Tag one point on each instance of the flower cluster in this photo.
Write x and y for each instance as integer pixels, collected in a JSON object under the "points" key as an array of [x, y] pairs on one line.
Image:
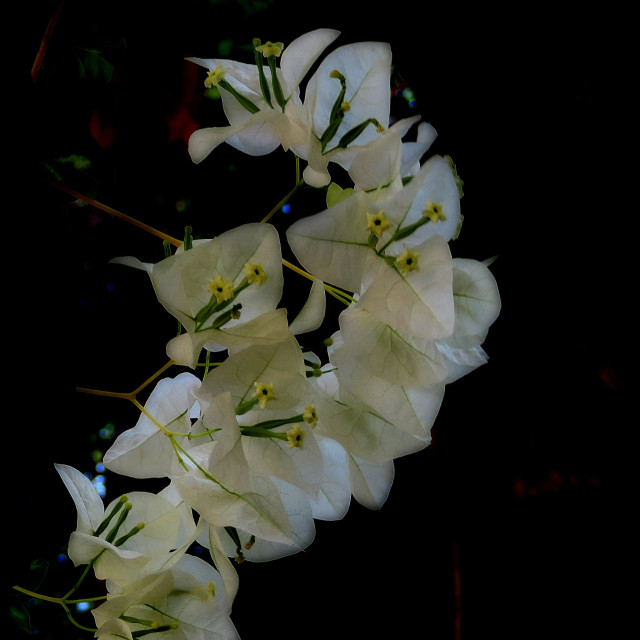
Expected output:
{"points": [[274, 434]]}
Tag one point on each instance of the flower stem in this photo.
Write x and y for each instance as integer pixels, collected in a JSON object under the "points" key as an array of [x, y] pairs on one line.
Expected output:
{"points": [[282, 202], [117, 214]]}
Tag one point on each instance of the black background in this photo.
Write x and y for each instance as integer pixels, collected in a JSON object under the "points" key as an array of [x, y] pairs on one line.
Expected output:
{"points": [[517, 504]]}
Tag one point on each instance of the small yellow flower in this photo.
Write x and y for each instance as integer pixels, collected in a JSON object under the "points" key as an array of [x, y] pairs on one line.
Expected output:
{"points": [[221, 288], [263, 392], [213, 77], [295, 436], [310, 416], [407, 261], [271, 49], [255, 273], [377, 223], [434, 212], [345, 106]]}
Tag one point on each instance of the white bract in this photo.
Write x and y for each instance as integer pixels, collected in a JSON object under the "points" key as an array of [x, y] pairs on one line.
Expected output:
{"points": [[136, 534], [216, 480], [224, 291], [258, 124], [346, 102], [185, 602], [271, 436], [145, 451]]}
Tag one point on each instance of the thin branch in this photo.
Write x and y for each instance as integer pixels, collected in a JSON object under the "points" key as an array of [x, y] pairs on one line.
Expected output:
{"points": [[118, 214], [37, 63]]}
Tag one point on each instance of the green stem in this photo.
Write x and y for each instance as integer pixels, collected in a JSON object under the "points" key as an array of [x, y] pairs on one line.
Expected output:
{"points": [[284, 200], [81, 579], [73, 621], [262, 433]]}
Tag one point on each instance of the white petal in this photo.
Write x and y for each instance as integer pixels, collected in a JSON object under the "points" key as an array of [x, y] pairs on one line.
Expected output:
{"points": [[299, 56], [144, 451], [367, 68], [85, 496], [332, 245], [418, 304], [334, 496], [371, 482], [402, 360], [476, 296], [312, 313]]}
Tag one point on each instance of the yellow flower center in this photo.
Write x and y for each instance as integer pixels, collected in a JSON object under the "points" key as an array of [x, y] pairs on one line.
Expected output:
{"points": [[310, 416], [221, 288], [434, 211], [407, 261], [255, 273], [213, 77], [271, 49], [377, 223], [263, 392], [295, 436]]}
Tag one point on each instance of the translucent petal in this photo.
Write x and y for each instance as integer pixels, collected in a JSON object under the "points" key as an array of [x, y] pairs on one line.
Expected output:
{"points": [[333, 245], [85, 496], [367, 68], [434, 182], [312, 313], [334, 495], [299, 56], [371, 481], [145, 451], [476, 296], [281, 365], [418, 304], [269, 328], [296, 504], [228, 572], [259, 512], [412, 409], [384, 352], [360, 431]]}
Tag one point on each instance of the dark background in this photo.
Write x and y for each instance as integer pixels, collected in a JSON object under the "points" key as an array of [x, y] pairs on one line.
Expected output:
{"points": [[516, 507]]}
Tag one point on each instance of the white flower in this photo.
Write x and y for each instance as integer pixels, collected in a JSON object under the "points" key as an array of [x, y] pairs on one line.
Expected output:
{"points": [[207, 290], [334, 245], [137, 534], [270, 392], [216, 480], [145, 451], [240, 544], [259, 130], [385, 161], [346, 102], [186, 601]]}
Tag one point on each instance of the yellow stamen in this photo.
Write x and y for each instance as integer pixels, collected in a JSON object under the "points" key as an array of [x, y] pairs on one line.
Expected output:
{"points": [[295, 436], [407, 261], [255, 273], [310, 416], [434, 211], [213, 77], [377, 223], [264, 393], [271, 49], [221, 288]]}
